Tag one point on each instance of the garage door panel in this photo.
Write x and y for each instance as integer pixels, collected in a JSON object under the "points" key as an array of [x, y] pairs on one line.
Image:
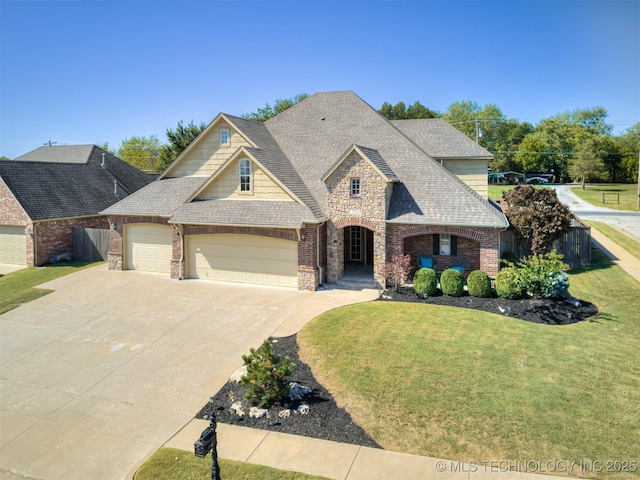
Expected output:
{"points": [[148, 247], [243, 258], [13, 245]]}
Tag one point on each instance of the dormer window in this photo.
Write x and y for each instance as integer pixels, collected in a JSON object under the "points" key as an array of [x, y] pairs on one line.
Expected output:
{"points": [[224, 136], [245, 176], [355, 187]]}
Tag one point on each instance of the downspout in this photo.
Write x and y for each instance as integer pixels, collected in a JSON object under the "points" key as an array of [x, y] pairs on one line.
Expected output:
{"points": [[179, 232], [320, 271]]}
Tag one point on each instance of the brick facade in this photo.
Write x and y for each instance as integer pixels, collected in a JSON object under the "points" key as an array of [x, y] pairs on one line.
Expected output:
{"points": [[43, 238], [480, 246]]}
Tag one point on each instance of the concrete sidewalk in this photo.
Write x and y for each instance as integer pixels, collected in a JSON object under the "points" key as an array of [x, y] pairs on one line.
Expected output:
{"points": [[619, 255], [342, 461]]}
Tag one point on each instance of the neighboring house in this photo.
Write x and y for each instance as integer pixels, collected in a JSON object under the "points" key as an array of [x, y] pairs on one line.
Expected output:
{"points": [[327, 184], [45, 193]]}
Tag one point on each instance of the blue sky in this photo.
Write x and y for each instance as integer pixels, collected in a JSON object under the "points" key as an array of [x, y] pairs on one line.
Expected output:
{"points": [[90, 71]]}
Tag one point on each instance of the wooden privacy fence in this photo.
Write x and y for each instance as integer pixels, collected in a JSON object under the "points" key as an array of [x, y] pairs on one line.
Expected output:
{"points": [[575, 245], [91, 244]]}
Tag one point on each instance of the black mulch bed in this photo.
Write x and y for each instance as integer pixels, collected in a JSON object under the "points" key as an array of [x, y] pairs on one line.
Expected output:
{"points": [[549, 311], [325, 420]]}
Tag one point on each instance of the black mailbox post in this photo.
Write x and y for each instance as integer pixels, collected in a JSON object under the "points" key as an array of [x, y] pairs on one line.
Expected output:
{"points": [[207, 443]]}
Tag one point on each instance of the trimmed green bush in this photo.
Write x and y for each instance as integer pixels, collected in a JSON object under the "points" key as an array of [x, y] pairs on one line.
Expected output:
{"points": [[479, 284], [509, 283], [452, 283], [544, 275], [266, 378], [425, 282]]}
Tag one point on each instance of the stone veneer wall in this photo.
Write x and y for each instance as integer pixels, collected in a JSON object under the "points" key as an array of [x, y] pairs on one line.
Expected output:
{"points": [[484, 241], [369, 209]]}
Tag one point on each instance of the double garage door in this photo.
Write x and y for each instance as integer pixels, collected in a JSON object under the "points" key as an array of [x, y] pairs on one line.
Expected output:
{"points": [[243, 258], [230, 258], [13, 245]]}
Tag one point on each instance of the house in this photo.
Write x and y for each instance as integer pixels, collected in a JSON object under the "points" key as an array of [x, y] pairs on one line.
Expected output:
{"points": [[45, 193], [297, 201]]}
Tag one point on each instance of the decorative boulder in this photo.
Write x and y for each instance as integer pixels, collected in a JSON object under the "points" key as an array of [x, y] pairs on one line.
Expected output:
{"points": [[297, 391]]}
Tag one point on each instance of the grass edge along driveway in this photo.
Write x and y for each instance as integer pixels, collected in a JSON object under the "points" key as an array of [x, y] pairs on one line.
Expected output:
{"points": [[465, 385], [17, 287]]}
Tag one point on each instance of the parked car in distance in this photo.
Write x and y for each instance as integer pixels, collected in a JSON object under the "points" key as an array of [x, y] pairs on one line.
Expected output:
{"points": [[536, 180]]}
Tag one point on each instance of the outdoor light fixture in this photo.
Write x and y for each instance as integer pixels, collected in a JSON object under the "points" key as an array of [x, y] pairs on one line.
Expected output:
{"points": [[208, 443]]}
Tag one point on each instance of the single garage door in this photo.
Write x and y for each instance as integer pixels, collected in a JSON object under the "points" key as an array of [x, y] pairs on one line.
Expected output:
{"points": [[243, 258], [13, 245], [148, 247]]}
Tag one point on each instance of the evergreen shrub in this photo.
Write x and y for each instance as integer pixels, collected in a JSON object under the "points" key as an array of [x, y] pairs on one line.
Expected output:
{"points": [[452, 283], [266, 378], [425, 282], [479, 284]]}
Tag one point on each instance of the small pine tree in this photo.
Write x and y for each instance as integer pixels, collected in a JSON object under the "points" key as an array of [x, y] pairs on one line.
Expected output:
{"points": [[266, 378]]}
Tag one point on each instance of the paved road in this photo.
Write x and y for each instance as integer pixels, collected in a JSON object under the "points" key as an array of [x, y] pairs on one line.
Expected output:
{"points": [[628, 222], [97, 375]]}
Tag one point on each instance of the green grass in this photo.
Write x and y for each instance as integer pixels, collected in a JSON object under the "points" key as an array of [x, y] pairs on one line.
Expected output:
{"points": [[17, 287], [592, 194], [626, 242], [466, 385], [171, 464]]}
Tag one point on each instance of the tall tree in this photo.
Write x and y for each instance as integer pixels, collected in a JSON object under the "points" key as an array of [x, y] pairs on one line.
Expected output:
{"points": [[400, 112], [141, 152], [179, 139], [628, 144], [263, 114], [586, 163], [486, 125]]}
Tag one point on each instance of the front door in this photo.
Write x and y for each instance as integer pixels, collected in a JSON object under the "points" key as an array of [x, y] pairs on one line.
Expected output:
{"points": [[358, 246]]}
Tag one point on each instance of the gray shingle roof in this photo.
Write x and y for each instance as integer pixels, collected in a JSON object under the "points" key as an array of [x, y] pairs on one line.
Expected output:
{"points": [[256, 213], [160, 198], [58, 154], [65, 189], [315, 132], [441, 140]]}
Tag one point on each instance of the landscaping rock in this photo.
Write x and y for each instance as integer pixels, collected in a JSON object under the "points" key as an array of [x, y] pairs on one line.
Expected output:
{"points": [[255, 412], [238, 374], [297, 391]]}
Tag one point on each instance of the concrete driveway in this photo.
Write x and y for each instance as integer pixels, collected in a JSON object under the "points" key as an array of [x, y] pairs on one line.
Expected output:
{"points": [[99, 374]]}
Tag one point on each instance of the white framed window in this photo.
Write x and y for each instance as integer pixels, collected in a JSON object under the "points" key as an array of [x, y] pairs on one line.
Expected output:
{"points": [[355, 187], [445, 244], [245, 175], [224, 136]]}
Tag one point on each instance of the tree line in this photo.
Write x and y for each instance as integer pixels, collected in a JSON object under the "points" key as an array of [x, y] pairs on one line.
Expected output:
{"points": [[576, 145]]}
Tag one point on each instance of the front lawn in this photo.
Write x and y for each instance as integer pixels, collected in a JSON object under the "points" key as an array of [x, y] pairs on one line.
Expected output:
{"points": [[468, 385], [171, 464], [593, 194], [16, 288]]}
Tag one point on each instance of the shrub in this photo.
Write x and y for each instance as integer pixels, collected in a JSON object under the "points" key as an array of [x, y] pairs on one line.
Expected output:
{"points": [[509, 283], [397, 270], [452, 283], [266, 378], [425, 282], [544, 275], [479, 284], [508, 259]]}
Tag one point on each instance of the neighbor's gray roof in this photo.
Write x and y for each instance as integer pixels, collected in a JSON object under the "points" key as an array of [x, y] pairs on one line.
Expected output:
{"points": [[58, 154], [441, 140], [265, 213], [314, 133], [160, 198], [66, 189]]}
